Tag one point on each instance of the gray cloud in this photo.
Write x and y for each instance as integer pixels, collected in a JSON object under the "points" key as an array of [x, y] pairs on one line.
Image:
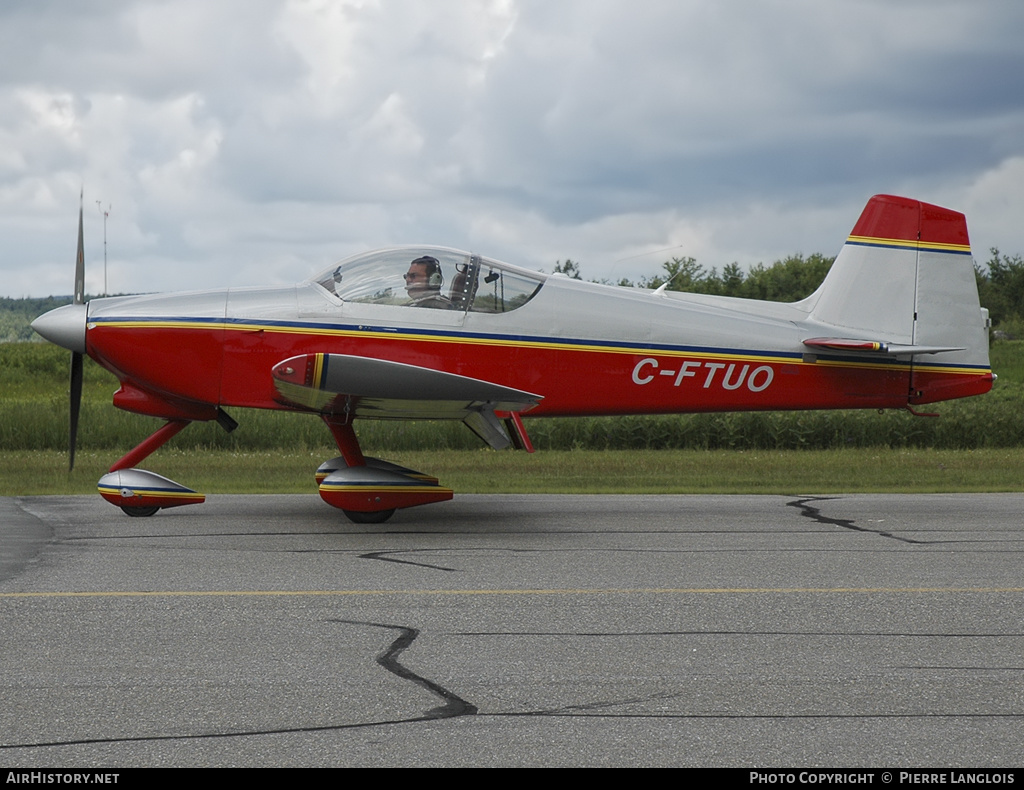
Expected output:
{"points": [[242, 142]]}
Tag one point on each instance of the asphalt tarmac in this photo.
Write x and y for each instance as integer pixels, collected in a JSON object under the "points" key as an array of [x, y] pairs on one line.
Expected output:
{"points": [[872, 631]]}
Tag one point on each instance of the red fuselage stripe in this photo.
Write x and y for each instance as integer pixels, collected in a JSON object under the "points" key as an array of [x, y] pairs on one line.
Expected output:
{"points": [[229, 366]]}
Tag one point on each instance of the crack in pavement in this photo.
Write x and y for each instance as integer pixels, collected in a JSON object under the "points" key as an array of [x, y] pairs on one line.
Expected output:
{"points": [[380, 555], [813, 513], [453, 705]]}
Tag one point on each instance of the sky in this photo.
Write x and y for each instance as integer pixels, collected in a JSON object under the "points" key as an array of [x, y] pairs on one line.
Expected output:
{"points": [[252, 142]]}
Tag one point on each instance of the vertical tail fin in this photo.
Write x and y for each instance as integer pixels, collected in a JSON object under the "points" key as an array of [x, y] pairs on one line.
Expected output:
{"points": [[905, 277]]}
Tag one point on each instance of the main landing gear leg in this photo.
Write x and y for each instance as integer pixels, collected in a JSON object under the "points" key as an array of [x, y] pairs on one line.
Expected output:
{"points": [[148, 446], [141, 493], [369, 490], [345, 437]]}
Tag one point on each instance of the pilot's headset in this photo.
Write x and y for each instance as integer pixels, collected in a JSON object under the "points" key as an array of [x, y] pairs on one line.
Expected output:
{"points": [[434, 277]]}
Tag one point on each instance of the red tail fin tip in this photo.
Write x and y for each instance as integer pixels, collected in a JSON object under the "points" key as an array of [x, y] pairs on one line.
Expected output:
{"points": [[891, 218]]}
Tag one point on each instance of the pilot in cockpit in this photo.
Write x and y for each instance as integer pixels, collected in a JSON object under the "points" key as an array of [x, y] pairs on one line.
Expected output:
{"points": [[423, 283]]}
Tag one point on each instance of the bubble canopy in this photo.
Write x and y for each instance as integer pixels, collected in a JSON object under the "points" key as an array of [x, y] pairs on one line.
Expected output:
{"points": [[434, 277]]}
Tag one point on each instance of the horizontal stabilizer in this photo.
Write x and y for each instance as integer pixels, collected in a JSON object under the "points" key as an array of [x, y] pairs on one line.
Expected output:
{"points": [[850, 345]]}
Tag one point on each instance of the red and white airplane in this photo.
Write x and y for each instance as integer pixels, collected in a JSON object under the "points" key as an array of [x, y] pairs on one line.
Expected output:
{"points": [[434, 333]]}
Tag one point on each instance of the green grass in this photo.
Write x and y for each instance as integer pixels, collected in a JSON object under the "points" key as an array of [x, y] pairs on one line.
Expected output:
{"points": [[33, 415], [977, 445], [572, 471]]}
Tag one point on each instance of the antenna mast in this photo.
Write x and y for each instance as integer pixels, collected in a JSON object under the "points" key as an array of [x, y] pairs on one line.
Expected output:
{"points": [[105, 214]]}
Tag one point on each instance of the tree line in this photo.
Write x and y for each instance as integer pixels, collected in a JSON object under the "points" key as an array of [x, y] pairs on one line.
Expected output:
{"points": [[17, 314], [1000, 282], [1000, 287]]}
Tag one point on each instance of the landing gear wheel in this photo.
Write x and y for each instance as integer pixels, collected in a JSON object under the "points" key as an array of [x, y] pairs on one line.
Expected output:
{"points": [[139, 512], [376, 517]]}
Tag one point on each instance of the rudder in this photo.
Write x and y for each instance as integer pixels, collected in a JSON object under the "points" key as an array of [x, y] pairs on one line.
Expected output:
{"points": [[905, 278]]}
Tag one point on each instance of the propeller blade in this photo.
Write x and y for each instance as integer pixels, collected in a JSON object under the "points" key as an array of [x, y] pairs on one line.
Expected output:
{"points": [[80, 259], [76, 358], [76, 405]]}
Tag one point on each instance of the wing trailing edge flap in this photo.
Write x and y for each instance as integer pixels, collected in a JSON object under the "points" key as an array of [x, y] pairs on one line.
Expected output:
{"points": [[381, 389], [877, 347]]}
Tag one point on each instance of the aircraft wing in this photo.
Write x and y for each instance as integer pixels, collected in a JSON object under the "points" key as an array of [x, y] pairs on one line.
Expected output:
{"points": [[377, 388]]}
